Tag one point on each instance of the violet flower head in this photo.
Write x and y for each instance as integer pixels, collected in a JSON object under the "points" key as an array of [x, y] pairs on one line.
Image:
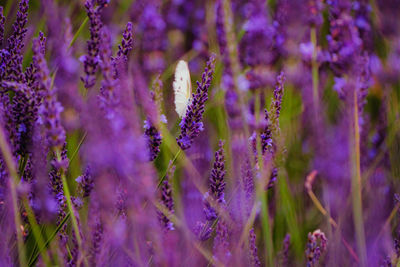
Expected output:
{"points": [[127, 42], [108, 84], [272, 178], [266, 136], [203, 231], [2, 22], [257, 42], [154, 139], [221, 242], [50, 110], [278, 94], [344, 41], [91, 60], [253, 251], [191, 124], [166, 199], [315, 8], [85, 182], [15, 43], [217, 184], [96, 242], [285, 250], [248, 185], [22, 116], [316, 245], [152, 28], [57, 187]]}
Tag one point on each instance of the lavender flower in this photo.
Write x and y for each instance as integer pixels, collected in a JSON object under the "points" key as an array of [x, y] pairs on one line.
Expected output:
{"points": [[247, 182], [50, 110], [107, 90], [221, 242], [343, 41], [91, 60], [152, 29], [121, 60], [22, 116], [2, 21], [277, 101], [266, 136], [15, 44], [85, 182], [316, 245], [97, 239], [166, 199], [253, 251], [285, 250], [191, 124], [203, 231], [127, 42], [217, 184], [315, 8], [272, 178], [154, 139], [257, 43]]}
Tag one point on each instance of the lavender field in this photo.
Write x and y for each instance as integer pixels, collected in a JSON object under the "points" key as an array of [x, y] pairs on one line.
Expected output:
{"points": [[200, 133]]}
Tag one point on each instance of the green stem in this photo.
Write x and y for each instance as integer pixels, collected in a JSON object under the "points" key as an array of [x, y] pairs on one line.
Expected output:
{"points": [[51, 238], [356, 187], [70, 207], [8, 158], [36, 231], [78, 147], [168, 168], [314, 66], [78, 32]]}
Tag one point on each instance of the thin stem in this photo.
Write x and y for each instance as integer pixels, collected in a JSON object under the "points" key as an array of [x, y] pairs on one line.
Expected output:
{"points": [[51, 238], [78, 147], [8, 158], [168, 168], [356, 186], [36, 232], [70, 207], [314, 66], [78, 32], [321, 208]]}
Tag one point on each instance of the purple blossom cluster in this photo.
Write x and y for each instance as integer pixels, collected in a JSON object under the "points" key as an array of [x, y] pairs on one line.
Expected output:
{"points": [[191, 124], [292, 125]]}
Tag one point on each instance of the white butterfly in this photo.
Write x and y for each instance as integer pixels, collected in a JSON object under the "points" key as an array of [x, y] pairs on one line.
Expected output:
{"points": [[182, 88]]}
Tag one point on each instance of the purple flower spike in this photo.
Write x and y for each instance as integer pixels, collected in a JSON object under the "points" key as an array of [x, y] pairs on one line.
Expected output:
{"points": [[166, 199], [154, 139], [51, 109], [278, 93], [127, 42], [253, 256], [15, 45], [217, 184], [221, 242], [315, 8], [266, 136], [91, 60], [2, 21], [109, 83], [97, 239], [316, 245], [202, 231], [191, 124], [85, 182], [285, 250]]}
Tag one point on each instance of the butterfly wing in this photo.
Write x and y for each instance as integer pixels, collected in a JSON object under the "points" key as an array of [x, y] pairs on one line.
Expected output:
{"points": [[182, 87]]}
